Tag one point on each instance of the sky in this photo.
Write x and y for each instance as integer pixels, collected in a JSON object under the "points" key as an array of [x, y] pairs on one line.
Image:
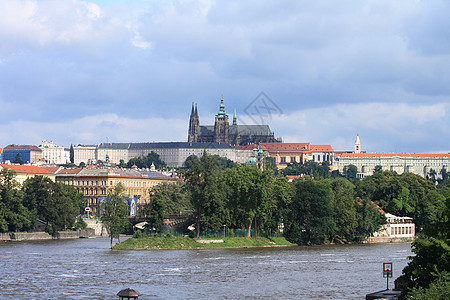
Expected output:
{"points": [[87, 72]]}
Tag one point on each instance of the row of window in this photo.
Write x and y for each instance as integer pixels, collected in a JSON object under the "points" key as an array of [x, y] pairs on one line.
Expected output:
{"points": [[402, 230]]}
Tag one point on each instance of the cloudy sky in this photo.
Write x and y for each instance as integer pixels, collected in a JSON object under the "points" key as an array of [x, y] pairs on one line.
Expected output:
{"points": [[82, 72]]}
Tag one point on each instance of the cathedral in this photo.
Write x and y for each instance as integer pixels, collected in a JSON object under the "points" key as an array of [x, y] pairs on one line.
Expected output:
{"points": [[223, 132]]}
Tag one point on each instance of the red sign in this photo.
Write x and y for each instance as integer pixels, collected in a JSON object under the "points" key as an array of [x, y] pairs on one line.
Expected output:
{"points": [[387, 267]]}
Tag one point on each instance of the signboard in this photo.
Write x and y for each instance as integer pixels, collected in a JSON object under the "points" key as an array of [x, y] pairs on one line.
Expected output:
{"points": [[387, 270]]}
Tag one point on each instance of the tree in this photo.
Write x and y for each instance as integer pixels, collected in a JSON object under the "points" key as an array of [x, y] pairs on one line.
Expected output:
{"points": [[206, 188], [249, 191], [71, 154], [369, 219], [122, 164], [190, 160], [157, 208], [310, 217], [18, 159], [13, 214], [431, 262], [175, 196], [378, 169], [343, 195], [114, 212], [350, 172], [56, 204]]}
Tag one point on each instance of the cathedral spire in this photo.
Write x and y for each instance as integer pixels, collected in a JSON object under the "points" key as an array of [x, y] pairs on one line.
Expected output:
{"points": [[196, 112], [234, 117]]}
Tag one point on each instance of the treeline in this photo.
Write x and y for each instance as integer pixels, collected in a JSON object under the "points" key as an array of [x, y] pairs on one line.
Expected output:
{"points": [[56, 204], [314, 210]]}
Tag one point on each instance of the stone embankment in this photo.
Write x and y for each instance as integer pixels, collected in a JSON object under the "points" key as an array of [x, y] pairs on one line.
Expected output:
{"points": [[373, 240], [97, 225], [25, 236]]}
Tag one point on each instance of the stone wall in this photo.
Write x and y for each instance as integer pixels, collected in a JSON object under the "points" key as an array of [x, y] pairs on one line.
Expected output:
{"points": [[30, 236]]}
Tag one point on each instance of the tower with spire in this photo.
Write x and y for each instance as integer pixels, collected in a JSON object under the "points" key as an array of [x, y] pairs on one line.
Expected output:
{"points": [[194, 125], [357, 145], [224, 132], [221, 125]]}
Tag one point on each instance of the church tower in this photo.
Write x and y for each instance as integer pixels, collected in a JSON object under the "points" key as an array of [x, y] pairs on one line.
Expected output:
{"points": [[194, 125], [357, 145], [221, 125]]}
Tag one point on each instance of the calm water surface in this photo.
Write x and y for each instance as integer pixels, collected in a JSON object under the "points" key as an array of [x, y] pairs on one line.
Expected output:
{"points": [[88, 269]]}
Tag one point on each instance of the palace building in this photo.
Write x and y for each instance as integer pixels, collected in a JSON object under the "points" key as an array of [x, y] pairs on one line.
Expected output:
{"points": [[223, 132]]}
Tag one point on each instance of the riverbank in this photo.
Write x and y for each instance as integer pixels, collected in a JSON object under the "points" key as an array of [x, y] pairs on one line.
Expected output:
{"points": [[26, 236], [183, 243]]}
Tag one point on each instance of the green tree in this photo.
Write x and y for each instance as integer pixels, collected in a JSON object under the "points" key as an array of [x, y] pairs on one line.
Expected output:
{"points": [[122, 164], [13, 214], [350, 172], [18, 159], [369, 218], [71, 154], [378, 169], [343, 195], [310, 217], [56, 204], [157, 208], [114, 213], [249, 194], [432, 256], [207, 191], [190, 160], [175, 196]]}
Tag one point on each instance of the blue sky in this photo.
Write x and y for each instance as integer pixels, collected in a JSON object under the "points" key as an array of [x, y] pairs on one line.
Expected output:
{"points": [[83, 71]]}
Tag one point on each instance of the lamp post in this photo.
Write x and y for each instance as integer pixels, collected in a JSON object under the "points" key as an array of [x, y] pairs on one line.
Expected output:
{"points": [[224, 230]]}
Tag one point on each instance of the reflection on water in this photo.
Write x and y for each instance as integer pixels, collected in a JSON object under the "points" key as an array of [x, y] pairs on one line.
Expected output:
{"points": [[87, 268]]}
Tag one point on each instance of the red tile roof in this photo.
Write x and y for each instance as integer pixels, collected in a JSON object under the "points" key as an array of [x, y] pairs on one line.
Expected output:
{"points": [[69, 171], [285, 147], [321, 148], [23, 147], [379, 155], [54, 170], [27, 169]]}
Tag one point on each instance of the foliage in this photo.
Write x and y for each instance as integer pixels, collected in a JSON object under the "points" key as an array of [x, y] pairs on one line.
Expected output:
{"points": [[310, 168], [71, 154], [114, 212], [350, 172], [343, 195], [157, 208], [175, 196], [369, 219], [404, 195], [437, 290], [309, 220], [378, 169], [206, 187], [432, 255], [249, 195], [14, 216], [18, 159], [147, 161], [224, 162], [56, 204]]}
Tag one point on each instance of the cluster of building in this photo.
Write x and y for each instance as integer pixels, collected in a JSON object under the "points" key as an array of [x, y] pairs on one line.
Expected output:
{"points": [[239, 143]]}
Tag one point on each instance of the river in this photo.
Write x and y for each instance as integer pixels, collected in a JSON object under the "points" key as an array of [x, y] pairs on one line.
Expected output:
{"points": [[88, 269]]}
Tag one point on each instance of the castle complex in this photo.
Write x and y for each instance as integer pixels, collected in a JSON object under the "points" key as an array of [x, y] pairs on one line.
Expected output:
{"points": [[222, 132]]}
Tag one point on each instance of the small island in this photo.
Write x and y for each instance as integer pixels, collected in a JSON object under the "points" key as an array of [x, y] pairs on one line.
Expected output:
{"points": [[181, 243]]}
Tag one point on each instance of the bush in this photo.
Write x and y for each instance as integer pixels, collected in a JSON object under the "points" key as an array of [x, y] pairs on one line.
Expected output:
{"points": [[191, 234]]}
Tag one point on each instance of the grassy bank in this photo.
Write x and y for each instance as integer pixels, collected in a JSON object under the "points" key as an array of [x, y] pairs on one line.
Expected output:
{"points": [[160, 243]]}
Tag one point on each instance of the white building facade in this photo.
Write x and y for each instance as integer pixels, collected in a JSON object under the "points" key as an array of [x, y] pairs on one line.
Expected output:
{"points": [[420, 164], [53, 154]]}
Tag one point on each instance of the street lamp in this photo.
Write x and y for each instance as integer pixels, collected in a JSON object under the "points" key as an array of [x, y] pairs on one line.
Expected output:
{"points": [[224, 230]]}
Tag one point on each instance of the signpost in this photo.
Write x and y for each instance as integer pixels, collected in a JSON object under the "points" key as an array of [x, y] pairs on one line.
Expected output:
{"points": [[387, 272]]}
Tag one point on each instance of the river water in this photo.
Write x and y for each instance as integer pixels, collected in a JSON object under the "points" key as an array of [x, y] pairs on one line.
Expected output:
{"points": [[88, 269]]}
